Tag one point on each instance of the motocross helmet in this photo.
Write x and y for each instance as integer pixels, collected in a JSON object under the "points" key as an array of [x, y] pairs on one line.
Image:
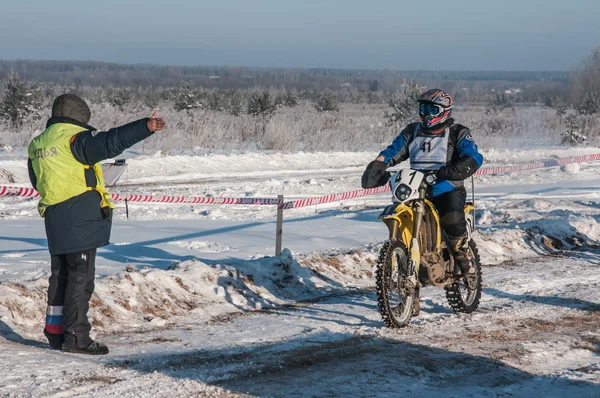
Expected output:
{"points": [[435, 107]]}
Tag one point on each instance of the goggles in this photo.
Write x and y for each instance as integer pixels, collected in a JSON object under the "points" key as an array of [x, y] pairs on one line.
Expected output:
{"points": [[426, 108]]}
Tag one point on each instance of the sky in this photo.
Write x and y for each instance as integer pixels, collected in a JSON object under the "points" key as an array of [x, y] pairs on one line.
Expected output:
{"points": [[367, 34]]}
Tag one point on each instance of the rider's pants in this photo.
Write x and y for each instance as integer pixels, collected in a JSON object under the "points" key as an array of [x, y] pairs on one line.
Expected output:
{"points": [[451, 208]]}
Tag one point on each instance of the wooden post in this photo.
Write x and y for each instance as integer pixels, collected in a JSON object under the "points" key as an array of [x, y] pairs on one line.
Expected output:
{"points": [[279, 230]]}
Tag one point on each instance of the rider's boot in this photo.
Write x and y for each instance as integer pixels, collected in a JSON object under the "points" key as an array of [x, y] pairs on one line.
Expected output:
{"points": [[460, 245], [416, 303]]}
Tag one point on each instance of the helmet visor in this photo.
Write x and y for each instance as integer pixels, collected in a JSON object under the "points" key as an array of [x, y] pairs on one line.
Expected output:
{"points": [[430, 109]]}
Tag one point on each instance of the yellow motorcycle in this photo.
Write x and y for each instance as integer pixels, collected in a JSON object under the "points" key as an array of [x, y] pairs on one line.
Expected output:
{"points": [[417, 255]]}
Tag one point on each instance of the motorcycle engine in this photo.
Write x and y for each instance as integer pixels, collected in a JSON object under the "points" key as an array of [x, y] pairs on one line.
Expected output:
{"points": [[436, 268]]}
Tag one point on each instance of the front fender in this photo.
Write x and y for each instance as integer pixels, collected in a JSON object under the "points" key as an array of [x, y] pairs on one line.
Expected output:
{"points": [[399, 218]]}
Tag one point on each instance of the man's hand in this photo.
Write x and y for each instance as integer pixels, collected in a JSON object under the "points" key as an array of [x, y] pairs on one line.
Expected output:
{"points": [[375, 175], [431, 177], [380, 158], [155, 123]]}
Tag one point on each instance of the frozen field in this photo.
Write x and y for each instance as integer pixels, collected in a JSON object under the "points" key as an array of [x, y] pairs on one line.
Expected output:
{"points": [[191, 301]]}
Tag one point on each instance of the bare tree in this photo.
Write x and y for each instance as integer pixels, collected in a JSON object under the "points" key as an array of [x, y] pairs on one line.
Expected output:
{"points": [[585, 85], [151, 98]]}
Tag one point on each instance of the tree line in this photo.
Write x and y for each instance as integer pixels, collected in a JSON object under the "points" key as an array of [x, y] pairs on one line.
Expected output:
{"points": [[102, 74], [30, 86]]}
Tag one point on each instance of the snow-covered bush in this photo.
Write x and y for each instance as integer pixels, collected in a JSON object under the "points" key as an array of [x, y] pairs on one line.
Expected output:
{"points": [[236, 103], [261, 104], [590, 103], [291, 98], [404, 105], [121, 97], [21, 101], [573, 138], [327, 102], [188, 98]]}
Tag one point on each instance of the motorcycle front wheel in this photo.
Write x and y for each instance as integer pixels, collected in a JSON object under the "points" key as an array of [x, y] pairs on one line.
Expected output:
{"points": [[395, 293]]}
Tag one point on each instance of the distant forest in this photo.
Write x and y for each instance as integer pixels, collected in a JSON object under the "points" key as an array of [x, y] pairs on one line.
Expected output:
{"points": [[223, 107], [102, 74]]}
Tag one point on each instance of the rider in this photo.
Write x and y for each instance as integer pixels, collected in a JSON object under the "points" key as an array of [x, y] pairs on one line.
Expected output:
{"points": [[445, 149]]}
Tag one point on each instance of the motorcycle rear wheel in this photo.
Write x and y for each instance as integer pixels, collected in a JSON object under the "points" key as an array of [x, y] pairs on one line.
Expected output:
{"points": [[464, 295]]}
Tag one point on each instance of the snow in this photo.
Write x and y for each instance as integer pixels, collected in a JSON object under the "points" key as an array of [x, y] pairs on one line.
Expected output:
{"points": [[572, 168], [191, 300]]}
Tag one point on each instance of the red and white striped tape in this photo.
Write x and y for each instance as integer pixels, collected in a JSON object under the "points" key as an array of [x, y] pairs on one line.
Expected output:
{"points": [[334, 198], [31, 193], [14, 191], [195, 200], [538, 165]]}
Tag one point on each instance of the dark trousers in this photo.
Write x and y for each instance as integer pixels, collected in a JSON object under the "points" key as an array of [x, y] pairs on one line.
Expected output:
{"points": [[71, 287], [451, 208]]}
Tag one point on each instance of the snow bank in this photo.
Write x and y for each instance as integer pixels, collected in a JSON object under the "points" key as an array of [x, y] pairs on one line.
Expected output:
{"points": [[149, 298], [532, 228], [145, 299]]}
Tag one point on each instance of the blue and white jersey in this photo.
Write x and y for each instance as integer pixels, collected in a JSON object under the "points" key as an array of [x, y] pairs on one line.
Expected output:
{"points": [[428, 152], [452, 152]]}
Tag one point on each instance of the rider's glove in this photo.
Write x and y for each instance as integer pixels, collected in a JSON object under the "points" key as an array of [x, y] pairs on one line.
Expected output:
{"points": [[375, 175], [430, 177]]}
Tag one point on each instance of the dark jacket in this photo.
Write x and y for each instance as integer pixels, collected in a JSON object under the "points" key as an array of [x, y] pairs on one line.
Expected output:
{"points": [[79, 223], [463, 158]]}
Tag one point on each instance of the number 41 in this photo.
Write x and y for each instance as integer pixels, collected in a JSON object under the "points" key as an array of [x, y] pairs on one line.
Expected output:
{"points": [[426, 147]]}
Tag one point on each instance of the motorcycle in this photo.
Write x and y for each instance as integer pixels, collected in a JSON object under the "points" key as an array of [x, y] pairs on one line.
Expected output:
{"points": [[417, 253]]}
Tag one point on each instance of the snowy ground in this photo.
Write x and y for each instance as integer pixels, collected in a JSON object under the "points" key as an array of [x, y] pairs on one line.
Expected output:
{"points": [[190, 302]]}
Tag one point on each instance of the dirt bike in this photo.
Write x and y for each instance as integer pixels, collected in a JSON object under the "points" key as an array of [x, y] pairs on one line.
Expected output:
{"points": [[417, 253]]}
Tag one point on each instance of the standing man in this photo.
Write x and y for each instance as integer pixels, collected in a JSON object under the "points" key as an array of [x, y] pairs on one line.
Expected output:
{"points": [[77, 210]]}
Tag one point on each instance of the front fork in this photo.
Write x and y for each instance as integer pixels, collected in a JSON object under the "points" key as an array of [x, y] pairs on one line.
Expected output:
{"points": [[415, 250]]}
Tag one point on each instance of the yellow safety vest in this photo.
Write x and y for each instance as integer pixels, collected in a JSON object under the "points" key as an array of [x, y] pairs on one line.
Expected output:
{"points": [[59, 175]]}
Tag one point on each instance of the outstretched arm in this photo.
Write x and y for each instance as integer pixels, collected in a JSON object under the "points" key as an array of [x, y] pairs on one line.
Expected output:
{"points": [[91, 147]]}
